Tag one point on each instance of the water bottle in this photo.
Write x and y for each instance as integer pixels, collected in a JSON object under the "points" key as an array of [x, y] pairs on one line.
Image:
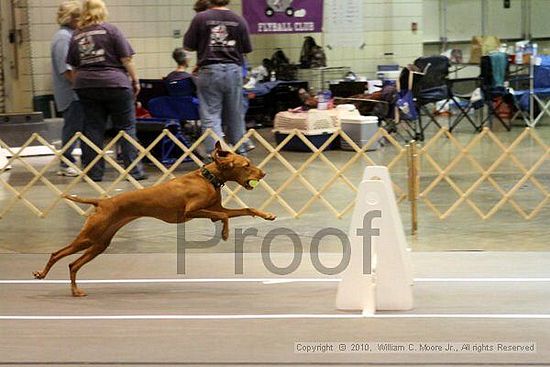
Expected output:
{"points": [[323, 98], [321, 103], [328, 96], [273, 77], [519, 57]]}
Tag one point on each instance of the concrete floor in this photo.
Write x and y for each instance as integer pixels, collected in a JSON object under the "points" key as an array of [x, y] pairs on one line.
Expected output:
{"points": [[176, 320], [281, 313]]}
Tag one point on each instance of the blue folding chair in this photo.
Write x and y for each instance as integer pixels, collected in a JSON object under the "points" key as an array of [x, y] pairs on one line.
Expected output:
{"points": [[537, 97], [175, 108], [181, 88], [174, 111], [166, 151]]}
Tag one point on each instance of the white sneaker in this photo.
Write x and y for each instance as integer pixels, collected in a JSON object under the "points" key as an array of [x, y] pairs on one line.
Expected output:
{"points": [[67, 171]]}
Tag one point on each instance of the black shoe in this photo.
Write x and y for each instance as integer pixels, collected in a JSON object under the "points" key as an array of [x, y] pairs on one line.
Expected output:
{"points": [[140, 177], [96, 179]]}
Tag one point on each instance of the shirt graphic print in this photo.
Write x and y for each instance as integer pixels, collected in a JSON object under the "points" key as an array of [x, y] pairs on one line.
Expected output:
{"points": [[219, 36], [88, 51]]}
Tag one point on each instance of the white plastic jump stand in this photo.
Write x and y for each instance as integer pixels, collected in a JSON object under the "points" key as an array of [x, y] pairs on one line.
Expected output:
{"points": [[387, 285], [382, 173]]}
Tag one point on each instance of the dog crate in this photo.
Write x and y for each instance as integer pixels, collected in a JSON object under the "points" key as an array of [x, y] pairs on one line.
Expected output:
{"points": [[316, 125], [316, 137]]}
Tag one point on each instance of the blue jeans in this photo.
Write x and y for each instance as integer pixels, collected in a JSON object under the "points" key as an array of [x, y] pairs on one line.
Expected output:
{"points": [[245, 104], [73, 122], [99, 104], [219, 87]]}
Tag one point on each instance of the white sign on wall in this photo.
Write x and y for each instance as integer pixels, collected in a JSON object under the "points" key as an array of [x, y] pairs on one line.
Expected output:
{"points": [[344, 23]]}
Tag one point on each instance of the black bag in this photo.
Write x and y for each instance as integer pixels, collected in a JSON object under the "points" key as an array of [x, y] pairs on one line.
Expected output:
{"points": [[312, 55], [279, 58], [282, 67]]}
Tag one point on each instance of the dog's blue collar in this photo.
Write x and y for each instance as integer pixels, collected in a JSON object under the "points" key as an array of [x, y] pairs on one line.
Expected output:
{"points": [[211, 178]]}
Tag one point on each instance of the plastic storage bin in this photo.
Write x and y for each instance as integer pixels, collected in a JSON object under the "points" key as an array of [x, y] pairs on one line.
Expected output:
{"points": [[360, 129]]}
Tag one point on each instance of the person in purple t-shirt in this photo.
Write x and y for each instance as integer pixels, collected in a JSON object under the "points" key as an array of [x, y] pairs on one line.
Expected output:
{"points": [[106, 83], [220, 38]]}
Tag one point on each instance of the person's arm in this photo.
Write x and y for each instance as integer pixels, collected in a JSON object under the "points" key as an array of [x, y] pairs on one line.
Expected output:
{"points": [[128, 63], [190, 43], [190, 40], [125, 53], [60, 53], [69, 75], [246, 45]]}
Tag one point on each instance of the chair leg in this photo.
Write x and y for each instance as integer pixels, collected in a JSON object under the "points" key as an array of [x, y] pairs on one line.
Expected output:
{"points": [[410, 129], [492, 113], [419, 128], [464, 113], [422, 128], [545, 109]]}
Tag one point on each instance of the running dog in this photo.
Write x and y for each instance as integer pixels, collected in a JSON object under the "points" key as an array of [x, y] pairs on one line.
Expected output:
{"points": [[194, 195]]}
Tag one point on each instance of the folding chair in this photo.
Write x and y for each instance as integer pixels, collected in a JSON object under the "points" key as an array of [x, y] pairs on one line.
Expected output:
{"points": [[535, 99], [184, 109], [174, 111], [151, 88], [167, 152], [494, 71], [461, 91], [427, 80], [181, 88]]}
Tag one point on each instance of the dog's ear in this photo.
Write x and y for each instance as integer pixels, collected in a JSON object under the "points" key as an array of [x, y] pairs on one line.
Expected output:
{"points": [[219, 151], [220, 157], [215, 156]]}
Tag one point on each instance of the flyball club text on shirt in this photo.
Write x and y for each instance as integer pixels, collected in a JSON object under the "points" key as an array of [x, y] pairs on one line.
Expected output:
{"points": [[286, 27]]}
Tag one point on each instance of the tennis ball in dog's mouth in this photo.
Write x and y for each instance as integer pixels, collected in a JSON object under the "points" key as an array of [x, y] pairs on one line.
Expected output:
{"points": [[253, 183]]}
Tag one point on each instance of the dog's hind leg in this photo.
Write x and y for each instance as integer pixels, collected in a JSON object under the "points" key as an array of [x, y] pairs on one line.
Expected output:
{"points": [[93, 223], [77, 245], [99, 242], [88, 255]]}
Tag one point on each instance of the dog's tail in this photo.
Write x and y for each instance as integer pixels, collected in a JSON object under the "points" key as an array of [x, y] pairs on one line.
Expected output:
{"points": [[94, 202]]}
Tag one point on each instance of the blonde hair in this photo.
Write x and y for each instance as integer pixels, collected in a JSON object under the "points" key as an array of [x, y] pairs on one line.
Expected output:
{"points": [[93, 12], [68, 11]]}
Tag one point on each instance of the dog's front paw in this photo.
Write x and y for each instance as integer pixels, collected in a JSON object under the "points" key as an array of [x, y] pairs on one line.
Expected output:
{"points": [[269, 216], [38, 275], [225, 233]]}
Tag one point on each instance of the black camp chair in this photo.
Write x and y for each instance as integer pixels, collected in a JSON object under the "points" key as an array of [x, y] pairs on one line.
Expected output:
{"points": [[493, 90], [461, 91], [427, 80]]}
